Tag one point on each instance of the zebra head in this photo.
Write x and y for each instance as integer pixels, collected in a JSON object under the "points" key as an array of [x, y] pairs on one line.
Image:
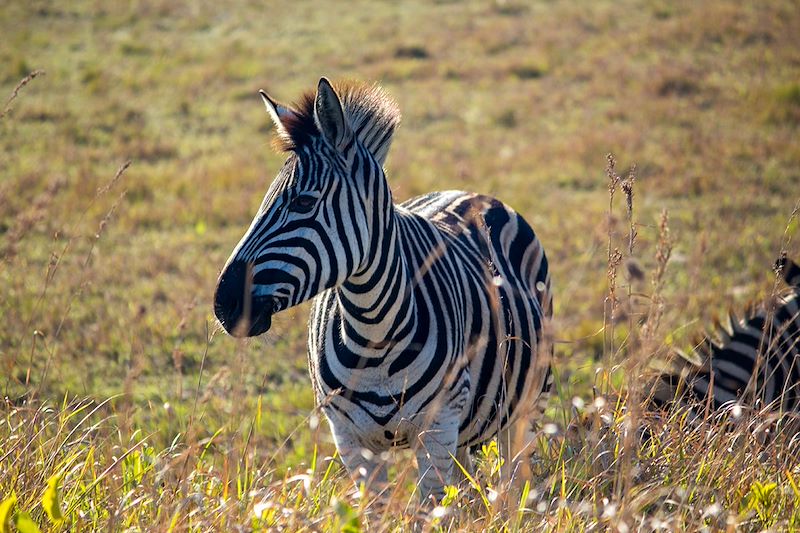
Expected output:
{"points": [[318, 221]]}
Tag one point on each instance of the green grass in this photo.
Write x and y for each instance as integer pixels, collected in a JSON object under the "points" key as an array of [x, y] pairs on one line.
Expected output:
{"points": [[106, 295]]}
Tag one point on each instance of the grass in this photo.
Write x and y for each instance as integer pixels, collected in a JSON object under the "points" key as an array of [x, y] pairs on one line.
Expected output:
{"points": [[119, 385]]}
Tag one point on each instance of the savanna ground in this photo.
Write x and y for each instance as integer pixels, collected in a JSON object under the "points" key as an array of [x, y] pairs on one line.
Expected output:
{"points": [[126, 408]]}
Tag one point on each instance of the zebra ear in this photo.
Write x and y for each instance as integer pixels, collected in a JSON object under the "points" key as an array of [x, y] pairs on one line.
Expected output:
{"points": [[329, 115], [790, 271], [277, 112]]}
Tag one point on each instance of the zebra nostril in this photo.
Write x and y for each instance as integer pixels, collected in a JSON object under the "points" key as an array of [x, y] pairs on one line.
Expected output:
{"points": [[230, 294]]}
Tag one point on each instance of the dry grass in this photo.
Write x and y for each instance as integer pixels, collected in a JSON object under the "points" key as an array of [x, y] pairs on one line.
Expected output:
{"points": [[119, 388]]}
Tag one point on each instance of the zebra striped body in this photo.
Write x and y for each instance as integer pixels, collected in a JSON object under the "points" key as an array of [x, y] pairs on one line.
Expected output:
{"points": [[426, 329], [464, 333], [755, 363]]}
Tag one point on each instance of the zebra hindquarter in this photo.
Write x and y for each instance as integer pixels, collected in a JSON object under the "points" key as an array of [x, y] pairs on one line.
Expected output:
{"points": [[521, 283]]}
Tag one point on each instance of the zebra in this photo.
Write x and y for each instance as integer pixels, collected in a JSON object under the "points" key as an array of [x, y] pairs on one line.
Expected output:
{"points": [[427, 327], [754, 363]]}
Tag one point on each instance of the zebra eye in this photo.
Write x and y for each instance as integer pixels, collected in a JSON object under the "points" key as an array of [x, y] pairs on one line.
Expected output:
{"points": [[302, 204]]}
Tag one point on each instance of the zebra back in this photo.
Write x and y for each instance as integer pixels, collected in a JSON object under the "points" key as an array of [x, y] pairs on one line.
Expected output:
{"points": [[752, 362]]}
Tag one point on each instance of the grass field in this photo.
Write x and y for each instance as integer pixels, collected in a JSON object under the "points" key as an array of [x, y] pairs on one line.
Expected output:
{"points": [[126, 408]]}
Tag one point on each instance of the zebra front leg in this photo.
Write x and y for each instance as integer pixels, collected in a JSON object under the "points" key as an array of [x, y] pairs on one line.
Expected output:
{"points": [[435, 450], [365, 467]]}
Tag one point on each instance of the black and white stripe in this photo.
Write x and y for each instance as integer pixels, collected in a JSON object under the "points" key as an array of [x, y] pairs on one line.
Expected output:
{"points": [[754, 362], [427, 323]]}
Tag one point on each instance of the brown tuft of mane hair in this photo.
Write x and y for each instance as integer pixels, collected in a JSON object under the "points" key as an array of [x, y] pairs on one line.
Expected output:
{"points": [[371, 113]]}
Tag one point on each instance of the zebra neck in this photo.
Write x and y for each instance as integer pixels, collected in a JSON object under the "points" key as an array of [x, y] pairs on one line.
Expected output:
{"points": [[378, 307]]}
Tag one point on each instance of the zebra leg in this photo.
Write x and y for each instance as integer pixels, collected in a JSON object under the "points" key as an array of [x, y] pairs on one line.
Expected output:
{"points": [[464, 459], [521, 448], [435, 450], [517, 441], [363, 465], [504, 448]]}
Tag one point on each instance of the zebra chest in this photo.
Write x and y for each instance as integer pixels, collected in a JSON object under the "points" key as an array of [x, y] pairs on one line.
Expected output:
{"points": [[390, 380], [382, 393], [380, 421], [376, 393]]}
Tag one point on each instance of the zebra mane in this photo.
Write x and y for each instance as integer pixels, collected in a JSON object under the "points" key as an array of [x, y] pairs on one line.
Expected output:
{"points": [[732, 327], [729, 334], [371, 113]]}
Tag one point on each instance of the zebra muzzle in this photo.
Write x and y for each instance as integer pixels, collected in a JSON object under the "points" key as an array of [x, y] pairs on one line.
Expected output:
{"points": [[241, 313], [240, 323]]}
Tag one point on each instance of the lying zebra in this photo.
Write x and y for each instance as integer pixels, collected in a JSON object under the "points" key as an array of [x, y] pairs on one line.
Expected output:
{"points": [[755, 362], [752, 365]]}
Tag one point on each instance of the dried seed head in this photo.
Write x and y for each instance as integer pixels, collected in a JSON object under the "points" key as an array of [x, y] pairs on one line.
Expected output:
{"points": [[613, 177]]}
